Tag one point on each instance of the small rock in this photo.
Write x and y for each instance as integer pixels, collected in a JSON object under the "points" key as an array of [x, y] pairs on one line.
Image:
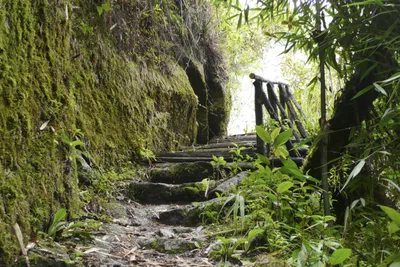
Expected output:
{"points": [[121, 221], [146, 242], [165, 233], [178, 246]]}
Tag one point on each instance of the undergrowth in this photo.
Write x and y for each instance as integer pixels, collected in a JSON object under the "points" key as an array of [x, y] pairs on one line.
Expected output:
{"points": [[278, 218]]}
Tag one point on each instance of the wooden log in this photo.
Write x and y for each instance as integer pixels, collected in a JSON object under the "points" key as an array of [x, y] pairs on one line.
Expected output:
{"points": [[204, 153], [296, 104], [292, 112], [285, 116], [271, 98], [282, 96], [261, 79], [234, 138], [270, 108], [251, 143]]}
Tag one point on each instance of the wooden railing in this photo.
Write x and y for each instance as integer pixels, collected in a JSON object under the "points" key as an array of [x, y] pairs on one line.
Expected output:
{"points": [[286, 104]]}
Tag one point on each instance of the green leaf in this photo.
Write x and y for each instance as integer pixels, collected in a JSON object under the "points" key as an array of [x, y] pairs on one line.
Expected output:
{"points": [[394, 77], [240, 20], [253, 233], [392, 213], [106, 7], [281, 152], [246, 13], [393, 228], [282, 138], [283, 187], [340, 255], [60, 215], [368, 71], [295, 172], [271, 196], [275, 133], [380, 89], [99, 10], [354, 172], [363, 91], [263, 134], [77, 143]]}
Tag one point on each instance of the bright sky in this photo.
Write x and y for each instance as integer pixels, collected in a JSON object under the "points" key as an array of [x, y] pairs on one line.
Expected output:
{"points": [[242, 117]]}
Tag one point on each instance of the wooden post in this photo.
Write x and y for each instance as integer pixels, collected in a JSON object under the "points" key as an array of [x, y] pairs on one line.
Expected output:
{"points": [[259, 114]]}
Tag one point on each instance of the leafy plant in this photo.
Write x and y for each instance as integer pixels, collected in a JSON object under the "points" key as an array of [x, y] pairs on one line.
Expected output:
{"points": [[59, 228], [218, 164], [237, 209], [147, 154], [227, 249], [102, 8], [86, 28], [57, 224]]}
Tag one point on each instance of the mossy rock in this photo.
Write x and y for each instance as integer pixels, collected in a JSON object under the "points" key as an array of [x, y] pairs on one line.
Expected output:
{"points": [[157, 193], [49, 257], [193, 215], [168, 246], [182, 173]]}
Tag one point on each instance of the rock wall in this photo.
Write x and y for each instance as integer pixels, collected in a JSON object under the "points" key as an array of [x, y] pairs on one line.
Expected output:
{"points": [[87, 79]]}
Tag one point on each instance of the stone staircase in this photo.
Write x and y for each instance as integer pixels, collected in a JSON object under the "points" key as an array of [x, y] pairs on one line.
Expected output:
{"points": [[176, 177], [160, 218]]}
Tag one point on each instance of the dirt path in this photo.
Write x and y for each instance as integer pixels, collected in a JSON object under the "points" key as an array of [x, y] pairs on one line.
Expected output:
{"points": [[137, 238]]}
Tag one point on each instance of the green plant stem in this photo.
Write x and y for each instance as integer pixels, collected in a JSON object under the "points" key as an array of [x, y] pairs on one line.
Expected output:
{"points": [[324, 153]]}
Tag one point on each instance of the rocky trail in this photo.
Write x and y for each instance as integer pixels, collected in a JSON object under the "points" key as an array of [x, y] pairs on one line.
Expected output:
{"points": [[158, 222]]}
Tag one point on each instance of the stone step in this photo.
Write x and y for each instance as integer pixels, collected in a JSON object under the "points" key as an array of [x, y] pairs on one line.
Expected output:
{"points": [[172, 173], [275, 162], [159, 193], [191, 215], [224, 152], [234, 138], [227, 145]]}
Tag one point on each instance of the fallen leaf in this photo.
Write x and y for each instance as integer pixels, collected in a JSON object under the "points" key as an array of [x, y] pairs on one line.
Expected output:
{"points": [[44, 125]]}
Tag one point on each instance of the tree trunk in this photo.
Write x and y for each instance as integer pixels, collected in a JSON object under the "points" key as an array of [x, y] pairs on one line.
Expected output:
{"points": [[349, 114]]}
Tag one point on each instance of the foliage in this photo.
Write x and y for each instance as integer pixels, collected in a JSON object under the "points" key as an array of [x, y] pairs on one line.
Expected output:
{"points": [[218, 164], [283, 215], [59, 229]]}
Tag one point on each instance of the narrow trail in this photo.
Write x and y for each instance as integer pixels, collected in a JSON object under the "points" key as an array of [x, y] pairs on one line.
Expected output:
{"points": [[158, 221], [155, 222]]}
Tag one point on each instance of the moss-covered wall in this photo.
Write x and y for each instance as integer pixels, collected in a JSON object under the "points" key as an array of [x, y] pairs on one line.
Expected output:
{"points": [[111, 80]]}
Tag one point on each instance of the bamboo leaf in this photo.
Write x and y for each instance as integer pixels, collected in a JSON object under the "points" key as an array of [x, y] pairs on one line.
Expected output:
{"points": [[394, 77], [380, 89], [246, 14], [354, 172], [363, 91], [240, 21]]}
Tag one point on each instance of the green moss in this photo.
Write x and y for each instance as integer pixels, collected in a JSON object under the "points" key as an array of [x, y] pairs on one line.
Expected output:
{"points": [[121, 91], [154, 244], [118, 105]]}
